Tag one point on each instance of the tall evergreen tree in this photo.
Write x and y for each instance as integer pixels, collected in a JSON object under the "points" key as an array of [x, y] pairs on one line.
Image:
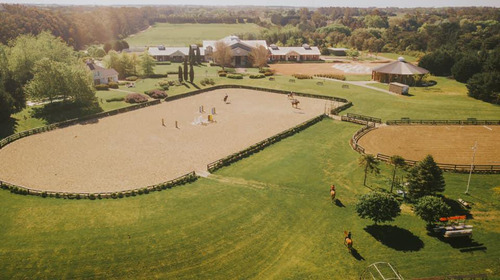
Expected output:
{"points": [[191, 73], [185, 69], [198, 56], [180, 74], [425, 178]]}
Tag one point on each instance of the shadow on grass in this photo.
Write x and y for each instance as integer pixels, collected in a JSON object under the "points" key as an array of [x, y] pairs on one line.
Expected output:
{"points": [[394, 237], [465, 244], [195, 85], [357, 255], [339, 203], [62, 111], [457, 209], [7, 127]]}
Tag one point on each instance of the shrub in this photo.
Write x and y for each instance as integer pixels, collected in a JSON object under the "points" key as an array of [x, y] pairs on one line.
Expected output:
{"points": [[257, 76], [431, 208], [331, 76], [92, 196], [302, 76], [235, 76], [44, 194], [264, 70], [163, 63], [155, 76], [172, 72], [164, 84], [207, 81], [222, 74], [115, 99], [269, 73], [101, 87], [156, 93], [113, 85], [131, 78], [135, 98]]}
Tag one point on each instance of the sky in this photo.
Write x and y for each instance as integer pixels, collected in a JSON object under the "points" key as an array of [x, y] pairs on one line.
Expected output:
{"points": [[296, 3]]}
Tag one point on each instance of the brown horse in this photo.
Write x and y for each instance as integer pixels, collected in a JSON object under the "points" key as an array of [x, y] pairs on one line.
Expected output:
{"points": [[348, 241], [295, 103], [332, 192]]}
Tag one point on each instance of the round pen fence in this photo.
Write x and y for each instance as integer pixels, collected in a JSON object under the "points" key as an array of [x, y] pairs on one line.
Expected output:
{"points": [[405, 121]]}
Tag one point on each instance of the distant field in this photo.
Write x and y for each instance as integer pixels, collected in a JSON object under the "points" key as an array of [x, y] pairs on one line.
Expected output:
{"points": [[395, 56], [184, 34]]}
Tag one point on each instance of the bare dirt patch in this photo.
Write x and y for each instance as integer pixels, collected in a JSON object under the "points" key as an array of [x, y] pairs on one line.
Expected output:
{"points": [[322, 68], [447, 144], [134, 150]]}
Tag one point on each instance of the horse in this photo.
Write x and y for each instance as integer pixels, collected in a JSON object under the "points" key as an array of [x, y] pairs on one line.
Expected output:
{"points": [[348, 241], [290, 95], [332, 194], [295, 103], [225, 98]]}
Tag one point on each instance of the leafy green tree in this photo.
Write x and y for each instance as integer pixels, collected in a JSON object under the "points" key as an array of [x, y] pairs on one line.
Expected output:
{"points": [[180, 74], [352, 53], [439, 63], [492, 63], [465, 68], [370, 164], [148, 64], [397, 162], [378, 207], [485, 86], [6, 100], [258, 57], [113, 60], [431, 208], [191, 73], [425, 178]]}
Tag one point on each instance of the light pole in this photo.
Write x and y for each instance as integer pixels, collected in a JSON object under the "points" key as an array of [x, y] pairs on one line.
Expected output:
{"points": [[471, 166]]}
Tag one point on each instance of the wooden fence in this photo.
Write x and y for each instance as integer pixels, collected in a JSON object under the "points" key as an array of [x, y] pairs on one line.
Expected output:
{"points": [[451, 167], [443, 122], [211, 167], [190, 177], [339, 109], [367, 119], [9, 139], [360, 133]]}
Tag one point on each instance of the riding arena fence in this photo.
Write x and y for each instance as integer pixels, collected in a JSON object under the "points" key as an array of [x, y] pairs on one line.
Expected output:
{"points": [[354, 139], [459, 168], [9, 139], [364, 118], [187, 178], [211, 167], [339, 109], [470, 121]]}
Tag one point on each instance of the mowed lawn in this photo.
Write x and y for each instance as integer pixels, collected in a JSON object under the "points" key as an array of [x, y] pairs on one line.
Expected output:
{"points": [[180, 35], [268, 216]]}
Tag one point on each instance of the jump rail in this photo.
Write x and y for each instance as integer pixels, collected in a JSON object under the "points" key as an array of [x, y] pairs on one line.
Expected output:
{"points": [[211, 167], [184, 179]]}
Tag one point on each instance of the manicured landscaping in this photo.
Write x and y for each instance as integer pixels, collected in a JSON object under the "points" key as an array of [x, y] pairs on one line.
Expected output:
{"points": [[168, 34], [267, 216], [395, 56]]}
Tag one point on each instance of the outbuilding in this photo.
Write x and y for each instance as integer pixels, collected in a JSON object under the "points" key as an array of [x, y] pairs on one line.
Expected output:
{"points": [[399, 88], [398, 71]]}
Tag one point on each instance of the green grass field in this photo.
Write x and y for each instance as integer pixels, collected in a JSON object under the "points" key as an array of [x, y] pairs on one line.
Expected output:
{"points": [[171, 35], [395, 56], [268, 216]]}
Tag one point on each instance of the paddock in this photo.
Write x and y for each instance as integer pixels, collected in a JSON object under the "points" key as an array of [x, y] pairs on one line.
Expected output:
{"points": [[447, 144], [144, 147]]}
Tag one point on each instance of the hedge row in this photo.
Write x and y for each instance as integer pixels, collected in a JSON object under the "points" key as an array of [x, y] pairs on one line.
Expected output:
{"points": [[211, 167], [14, 137], [339, 109], [188, 178], [331, 76], [302, 76]]}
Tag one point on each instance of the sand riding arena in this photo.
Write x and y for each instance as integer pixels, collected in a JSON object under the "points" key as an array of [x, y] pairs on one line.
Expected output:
{"points": [[446, 143], [144, 147]]}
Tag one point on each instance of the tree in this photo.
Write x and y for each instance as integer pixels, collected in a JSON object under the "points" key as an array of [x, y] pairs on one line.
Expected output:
{"points": [[198, 56], [465, 68], [378, 207], [186, 69], [107, 47], [352, 53], [369, 163], [485, 86], [397, 162], [258, 57], [439, 63], [222, 55], [191, 73], [147, 64], [425, 178], [180, 74], [191, 55], [431, 208], [6, 100]]}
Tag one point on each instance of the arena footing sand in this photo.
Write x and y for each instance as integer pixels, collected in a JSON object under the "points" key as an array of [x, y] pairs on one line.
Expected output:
{"points": [[447, 144], [144, 147]]}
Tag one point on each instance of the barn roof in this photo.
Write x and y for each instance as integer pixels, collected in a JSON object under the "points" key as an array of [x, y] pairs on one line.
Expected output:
{"points": [[400, 67]]}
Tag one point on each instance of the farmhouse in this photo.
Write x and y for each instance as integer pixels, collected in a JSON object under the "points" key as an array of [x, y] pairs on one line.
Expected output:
{"points": [[176, 54], [101, 74], [398, 71], [240, 49], [304, 53]]}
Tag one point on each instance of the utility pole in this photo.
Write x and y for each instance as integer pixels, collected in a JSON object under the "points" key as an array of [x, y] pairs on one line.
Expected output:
{"points": [[471, 166]]}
